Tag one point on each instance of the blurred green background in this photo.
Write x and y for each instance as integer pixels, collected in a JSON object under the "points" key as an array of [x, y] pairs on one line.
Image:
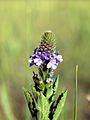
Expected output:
{"points": [[21, 24]]}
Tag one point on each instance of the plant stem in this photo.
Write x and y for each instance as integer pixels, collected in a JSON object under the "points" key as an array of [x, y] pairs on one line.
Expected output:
{"points": [[76, 94]]}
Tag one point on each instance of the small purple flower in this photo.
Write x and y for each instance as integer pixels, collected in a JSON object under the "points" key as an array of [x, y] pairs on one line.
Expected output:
{"points": [[31, 62], [45, 56], [35, 50], [52, 64], [59, 58], [38, 61]]}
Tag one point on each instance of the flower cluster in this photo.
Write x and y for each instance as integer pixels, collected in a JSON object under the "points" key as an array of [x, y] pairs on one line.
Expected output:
{"points": [[51, 60]]}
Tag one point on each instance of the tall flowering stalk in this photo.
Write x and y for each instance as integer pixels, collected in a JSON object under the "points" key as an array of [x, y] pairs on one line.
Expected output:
{"points": [[41, 98]]}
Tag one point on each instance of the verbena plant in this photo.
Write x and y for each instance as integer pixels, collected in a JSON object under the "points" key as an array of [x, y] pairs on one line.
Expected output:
{"points": [[41, 99]]}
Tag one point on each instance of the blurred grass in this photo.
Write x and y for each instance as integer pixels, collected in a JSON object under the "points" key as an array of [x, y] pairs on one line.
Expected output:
{"points": [[6, 103], [21, 24]]}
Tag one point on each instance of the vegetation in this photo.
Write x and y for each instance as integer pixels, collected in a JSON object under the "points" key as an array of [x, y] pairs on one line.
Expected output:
{"points": [[21, 23]]}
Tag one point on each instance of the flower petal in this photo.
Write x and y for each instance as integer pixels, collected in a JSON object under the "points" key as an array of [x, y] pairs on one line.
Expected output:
{"points": [[54, 66], [61, 60], [30, 61], [59, 57], [49, 65], [36, 60]]}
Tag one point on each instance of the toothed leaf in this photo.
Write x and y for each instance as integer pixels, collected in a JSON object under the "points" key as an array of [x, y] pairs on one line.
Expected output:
{"points": [[30, 101], [55, 86], [59, 105], [42, 107]]}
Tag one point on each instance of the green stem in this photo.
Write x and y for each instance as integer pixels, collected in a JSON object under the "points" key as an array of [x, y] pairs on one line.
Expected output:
{"points": [[76, 94]]}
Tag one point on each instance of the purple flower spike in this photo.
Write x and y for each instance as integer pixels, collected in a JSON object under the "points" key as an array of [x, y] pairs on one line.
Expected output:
{"points": [[41, 57], [45, 55]]}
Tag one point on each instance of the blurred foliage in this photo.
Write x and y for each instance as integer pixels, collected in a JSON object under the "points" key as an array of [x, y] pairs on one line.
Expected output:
{"points": [[6, 103], [21, 24]]}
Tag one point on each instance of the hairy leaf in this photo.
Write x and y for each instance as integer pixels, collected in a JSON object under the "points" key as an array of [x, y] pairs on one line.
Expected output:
{"points": [[43, 107], [49, 92], [54, 86], [59, 105], [31, 102]]}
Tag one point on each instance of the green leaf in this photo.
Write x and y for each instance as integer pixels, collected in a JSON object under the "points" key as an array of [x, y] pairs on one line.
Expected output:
{"points": [[59, 105], [31, 101], [55, 86], [42, 106], [49, 92], [27, 95]]}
